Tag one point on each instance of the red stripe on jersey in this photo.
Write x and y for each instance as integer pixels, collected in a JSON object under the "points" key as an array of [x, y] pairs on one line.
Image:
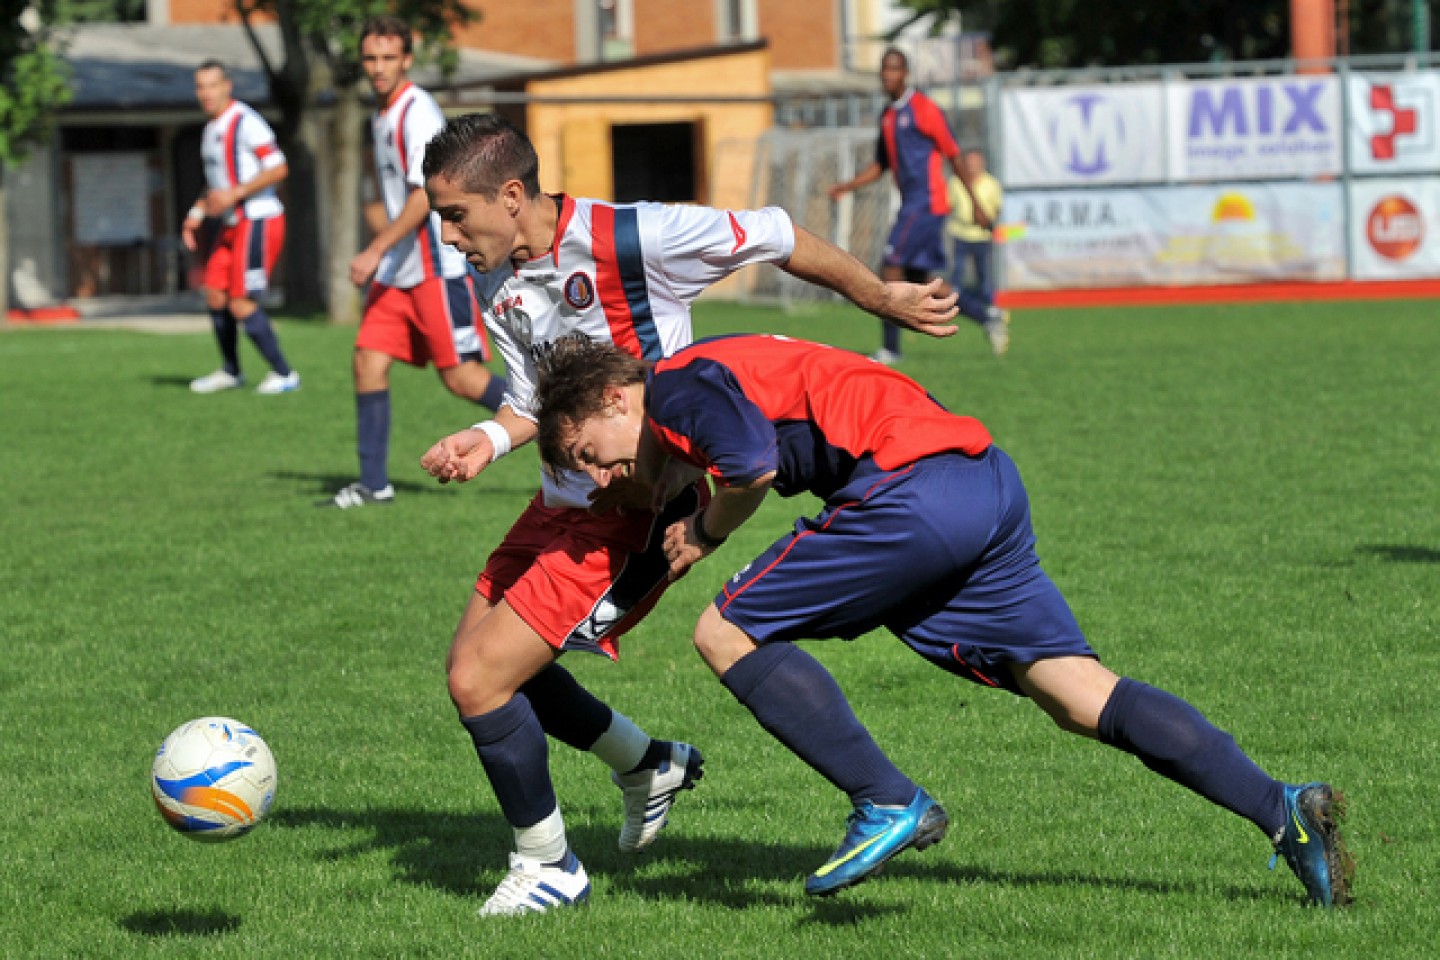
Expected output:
{"points": [[400, 136], [608, 283], [682, 448], [562, 223], [887, 130], [264, 150], [931, 122], [232, 159]]}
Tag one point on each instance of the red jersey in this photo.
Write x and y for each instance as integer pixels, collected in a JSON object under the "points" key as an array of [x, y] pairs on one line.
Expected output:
{"points": [[743, 406]]}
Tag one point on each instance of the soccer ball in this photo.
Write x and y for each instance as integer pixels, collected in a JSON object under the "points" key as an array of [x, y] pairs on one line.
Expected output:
{"points": [[213, 779]]}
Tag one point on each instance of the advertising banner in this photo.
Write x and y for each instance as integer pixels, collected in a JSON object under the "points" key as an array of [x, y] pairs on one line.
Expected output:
{"points": [[1234, 233], [1393, 120], [1395, 228], [1076, 136], [1254, 128]]}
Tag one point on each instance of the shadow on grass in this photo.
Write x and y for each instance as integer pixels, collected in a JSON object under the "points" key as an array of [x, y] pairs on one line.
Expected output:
{"points": [[1399, 553], [172, 382], [181, 923], [464, 855], [322, 485]]}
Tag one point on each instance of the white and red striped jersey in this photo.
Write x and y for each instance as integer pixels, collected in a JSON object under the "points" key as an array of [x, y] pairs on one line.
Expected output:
{"points": [[401, 132], [235, 147], [626, 273]]}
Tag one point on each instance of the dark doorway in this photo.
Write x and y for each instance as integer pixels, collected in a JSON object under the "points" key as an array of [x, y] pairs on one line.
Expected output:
{"points": [[654, 161]]}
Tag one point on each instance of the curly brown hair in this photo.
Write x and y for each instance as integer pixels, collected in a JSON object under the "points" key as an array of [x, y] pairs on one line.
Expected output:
{"points": [[573, 374]]}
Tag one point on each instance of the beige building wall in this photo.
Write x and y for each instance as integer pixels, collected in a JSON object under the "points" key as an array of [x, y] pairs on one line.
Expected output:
{"points": [[573, 140]]}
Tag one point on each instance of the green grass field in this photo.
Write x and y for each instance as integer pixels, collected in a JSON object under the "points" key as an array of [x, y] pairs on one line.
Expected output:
{"points": [[1242, 505]]}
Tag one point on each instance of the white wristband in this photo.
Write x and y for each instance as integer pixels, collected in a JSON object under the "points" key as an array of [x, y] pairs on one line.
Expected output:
{"points": [[499, 438], [195, 213]]}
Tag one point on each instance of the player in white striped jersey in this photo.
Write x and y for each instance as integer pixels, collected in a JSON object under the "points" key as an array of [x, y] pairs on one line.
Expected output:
{"points": [[243, 164], [420, 306], [574, 573]]}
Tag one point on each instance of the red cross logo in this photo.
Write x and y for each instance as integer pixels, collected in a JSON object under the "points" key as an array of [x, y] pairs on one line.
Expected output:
{"points": [[1402, 122]]}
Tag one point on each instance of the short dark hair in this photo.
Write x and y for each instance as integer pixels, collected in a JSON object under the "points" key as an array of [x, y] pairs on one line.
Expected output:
{"points": [[896, 52], [388, 27], [573, 373], [480, 153], [213, 64]]}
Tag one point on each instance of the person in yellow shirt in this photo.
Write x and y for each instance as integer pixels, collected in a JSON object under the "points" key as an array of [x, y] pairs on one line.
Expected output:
{"points": [[973, 244]]}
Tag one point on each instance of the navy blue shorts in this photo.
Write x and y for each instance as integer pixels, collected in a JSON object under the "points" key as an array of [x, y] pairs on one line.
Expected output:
{"points": [[917, 241], [940, 552]]}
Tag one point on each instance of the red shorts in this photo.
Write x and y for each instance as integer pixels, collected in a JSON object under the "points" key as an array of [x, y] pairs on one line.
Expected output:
{"points": [[243, 257], [434, 321], [580, 579]]}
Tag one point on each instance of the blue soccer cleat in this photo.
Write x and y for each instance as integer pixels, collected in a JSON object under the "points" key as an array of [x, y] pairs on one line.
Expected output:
{"points": [[1310, 843], [875, 834]]}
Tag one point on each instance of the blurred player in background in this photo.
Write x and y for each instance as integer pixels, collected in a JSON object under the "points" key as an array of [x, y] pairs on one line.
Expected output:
{"points": [[243, 164], [914, 144], [575, 572], [421, 303], [972, 248], [925, 530]]}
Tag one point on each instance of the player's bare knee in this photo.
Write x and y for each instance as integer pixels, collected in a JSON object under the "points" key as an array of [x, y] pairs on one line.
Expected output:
{"points": [[719, 642]]}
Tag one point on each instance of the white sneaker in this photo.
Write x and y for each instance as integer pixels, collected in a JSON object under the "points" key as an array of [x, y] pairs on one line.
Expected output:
{"points": [[274, 383], [887, 357], [534, 887], [997, 329], [217, 381], [359, 495], [649, 795]]}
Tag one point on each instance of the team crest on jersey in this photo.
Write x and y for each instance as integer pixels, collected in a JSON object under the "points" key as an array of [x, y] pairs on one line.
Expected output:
{"points": [[579, 290]]}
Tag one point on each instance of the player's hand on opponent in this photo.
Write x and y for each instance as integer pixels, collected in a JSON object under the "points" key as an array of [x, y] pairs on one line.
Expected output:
{"points": [[928, 308], [459, 457], [363, 266], [682, 548]]}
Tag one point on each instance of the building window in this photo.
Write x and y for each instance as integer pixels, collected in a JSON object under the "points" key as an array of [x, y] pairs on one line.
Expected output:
{"points": [[655, 161], [736, 21], [617, 29]]}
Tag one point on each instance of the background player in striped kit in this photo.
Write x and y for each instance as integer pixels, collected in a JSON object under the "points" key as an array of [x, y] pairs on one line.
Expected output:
{"points": [[568, 577], [420, 307], [243, 164], [926, 531], [914, 144]]}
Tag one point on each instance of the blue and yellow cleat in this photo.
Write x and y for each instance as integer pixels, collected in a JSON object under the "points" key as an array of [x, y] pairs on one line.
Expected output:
{"points": [[1310, 843], [875, 834]]}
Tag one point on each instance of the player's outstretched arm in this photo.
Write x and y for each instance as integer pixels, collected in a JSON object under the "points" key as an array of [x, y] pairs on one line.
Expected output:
{"points": [[462, 456], [924, 308]]}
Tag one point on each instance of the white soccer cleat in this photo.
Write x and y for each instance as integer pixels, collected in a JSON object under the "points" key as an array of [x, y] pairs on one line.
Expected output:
{"points": [[997, 331], [535, 887], [217, 381], [649, 794], [274, 383]]}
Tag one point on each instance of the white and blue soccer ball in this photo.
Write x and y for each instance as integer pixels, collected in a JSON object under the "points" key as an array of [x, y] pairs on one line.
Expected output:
{"points": [[213, 779]]}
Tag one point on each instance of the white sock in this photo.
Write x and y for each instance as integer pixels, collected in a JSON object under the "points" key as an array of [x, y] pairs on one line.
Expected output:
{"points": [[545, 841], [622, 745]]}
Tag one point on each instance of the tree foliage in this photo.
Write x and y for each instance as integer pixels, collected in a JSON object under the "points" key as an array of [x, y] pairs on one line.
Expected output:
{"points": [[34, 80], [1080, 33]]}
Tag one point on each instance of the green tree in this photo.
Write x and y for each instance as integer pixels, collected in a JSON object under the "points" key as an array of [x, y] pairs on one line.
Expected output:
{"points": [[33, 83], [320, 59]]}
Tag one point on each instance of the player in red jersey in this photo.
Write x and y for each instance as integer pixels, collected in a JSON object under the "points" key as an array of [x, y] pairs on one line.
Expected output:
{"points": [[573, 573], [925, 531], [915, 144]]}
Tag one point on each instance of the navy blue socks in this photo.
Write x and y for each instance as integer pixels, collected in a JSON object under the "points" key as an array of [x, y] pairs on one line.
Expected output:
{"points": [[566, 710], [514, 752], [227, 334], [262, 334], [800, 704], [1176, 741], [372, 437]]}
